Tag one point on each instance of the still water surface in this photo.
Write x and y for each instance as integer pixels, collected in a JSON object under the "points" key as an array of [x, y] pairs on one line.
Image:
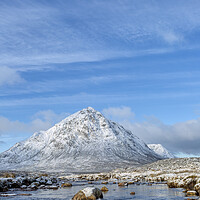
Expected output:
{"points": [[143, 192]]}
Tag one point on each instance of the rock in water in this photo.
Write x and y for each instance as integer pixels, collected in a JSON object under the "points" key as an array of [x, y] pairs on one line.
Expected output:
{"points": [[89, 193], [104, 189], [85, 141], [79, 196]]}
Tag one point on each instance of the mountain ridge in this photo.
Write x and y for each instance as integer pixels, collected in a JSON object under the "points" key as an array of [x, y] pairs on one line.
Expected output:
{"points": [[84, 141], [160, 150]]}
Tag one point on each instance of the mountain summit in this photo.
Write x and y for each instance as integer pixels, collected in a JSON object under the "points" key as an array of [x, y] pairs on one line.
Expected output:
{"points": [[160, 150], [84, 141]]}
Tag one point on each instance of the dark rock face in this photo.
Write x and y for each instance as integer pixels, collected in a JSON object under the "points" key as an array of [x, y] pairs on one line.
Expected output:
{"points": [[3, 188]]}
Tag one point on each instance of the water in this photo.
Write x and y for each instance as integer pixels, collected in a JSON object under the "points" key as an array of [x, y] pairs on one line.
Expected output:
{"points": [[143, 192]]}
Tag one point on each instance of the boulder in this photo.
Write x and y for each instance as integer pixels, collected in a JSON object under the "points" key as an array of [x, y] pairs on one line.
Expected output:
{"points": [[89, 193], [15, 184], [26, 181], [93, 191], [38, 179], [33, 186], [122, 184], [66, 185], [41, 186], [91, 197], [104, 189], [189, 183], [23, 187], [191, 193], [35, 183], [79, 196], [43, 181], [49, 182], [54, 180], [52, 187], [197, 188], [3, 189]]}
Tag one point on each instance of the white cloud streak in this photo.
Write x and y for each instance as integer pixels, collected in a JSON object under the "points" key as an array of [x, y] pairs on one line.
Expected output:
{"points": [[182, 79], [51, 37], [9, 76], [93, 98]]}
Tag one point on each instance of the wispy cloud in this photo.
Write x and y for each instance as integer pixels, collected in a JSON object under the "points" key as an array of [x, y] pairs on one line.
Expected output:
{"points": [[36, 62], [9, 76], [140, 80], [89, 98], [48, 35], [171, 37]]}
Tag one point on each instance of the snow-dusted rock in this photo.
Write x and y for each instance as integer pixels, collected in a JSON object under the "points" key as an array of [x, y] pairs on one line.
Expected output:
{"points": [[42, 181], [23, 187], [88, 193], [49, 182], [52, 187], [84, 141], [41, 187], [191, 193], [92, 191], [161, 151]]}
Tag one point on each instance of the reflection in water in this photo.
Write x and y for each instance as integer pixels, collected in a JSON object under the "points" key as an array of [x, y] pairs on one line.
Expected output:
{"points": [[143, 192]]}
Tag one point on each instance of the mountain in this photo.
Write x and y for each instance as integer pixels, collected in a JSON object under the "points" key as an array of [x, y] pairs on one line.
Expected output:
{"points": [[160, 150], [83, 142]]}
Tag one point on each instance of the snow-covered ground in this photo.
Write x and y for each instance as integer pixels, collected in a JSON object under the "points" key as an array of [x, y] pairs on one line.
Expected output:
{"points": [[176, 173]]}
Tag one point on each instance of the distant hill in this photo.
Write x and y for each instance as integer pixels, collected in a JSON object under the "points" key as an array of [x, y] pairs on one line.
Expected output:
{"points": [[161, 151]]}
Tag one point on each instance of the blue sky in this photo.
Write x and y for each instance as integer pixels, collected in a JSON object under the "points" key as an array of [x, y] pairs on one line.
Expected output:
{"points": [[135, 61]]}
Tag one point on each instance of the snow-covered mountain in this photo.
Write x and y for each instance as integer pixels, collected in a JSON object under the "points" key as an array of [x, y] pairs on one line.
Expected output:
{"points": [[84, 141], [160, 150]]}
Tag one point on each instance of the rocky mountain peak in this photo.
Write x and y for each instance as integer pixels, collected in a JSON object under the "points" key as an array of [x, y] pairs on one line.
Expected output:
{"points": [[160, 150], [85, 141]]}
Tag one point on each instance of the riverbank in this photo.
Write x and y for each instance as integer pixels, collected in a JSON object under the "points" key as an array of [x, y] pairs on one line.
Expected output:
{"points": [[176, 173]]}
